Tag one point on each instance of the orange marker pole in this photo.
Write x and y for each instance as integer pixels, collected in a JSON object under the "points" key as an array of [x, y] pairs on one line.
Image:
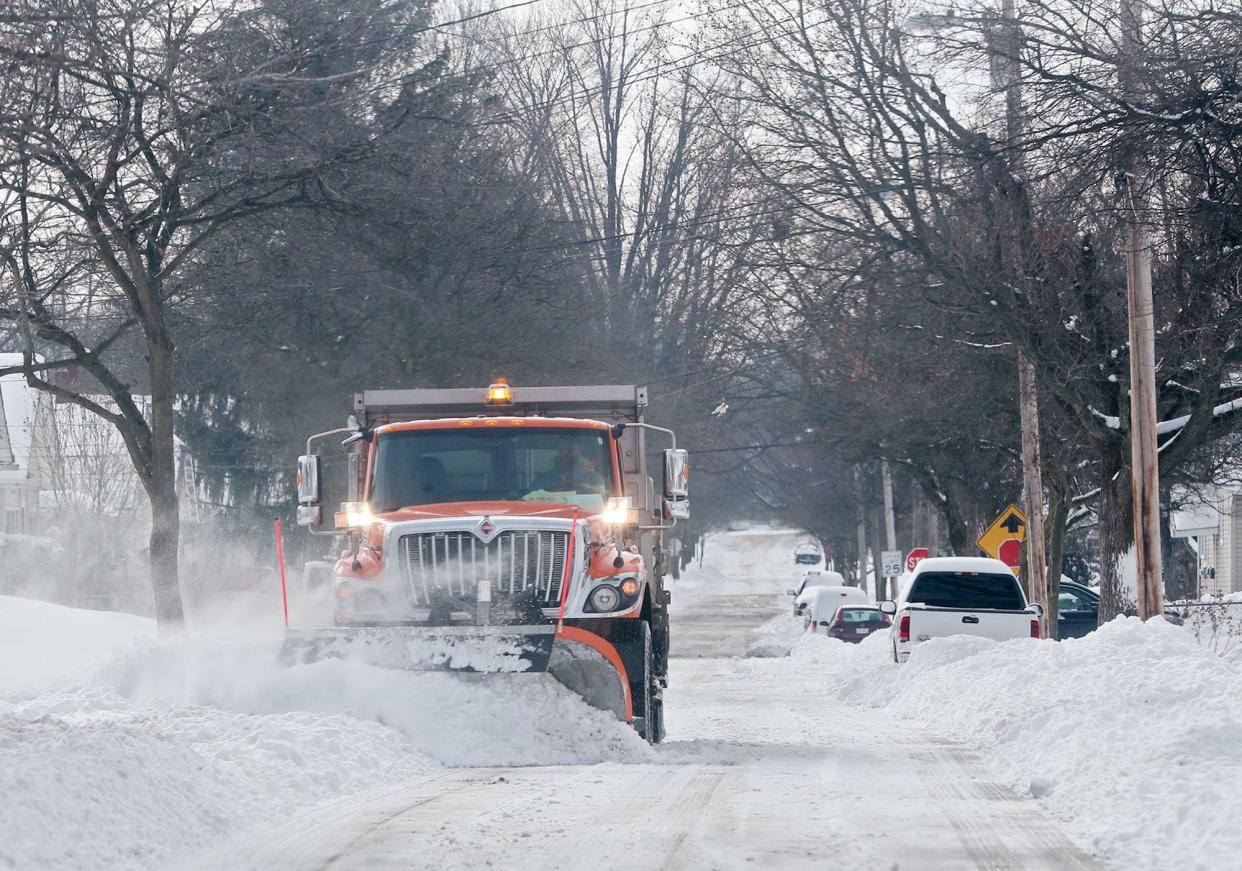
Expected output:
{"points": [[280, 558]]}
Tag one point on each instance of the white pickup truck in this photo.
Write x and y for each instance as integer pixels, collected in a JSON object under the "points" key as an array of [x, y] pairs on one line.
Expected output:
{"points": [[960, 596]]}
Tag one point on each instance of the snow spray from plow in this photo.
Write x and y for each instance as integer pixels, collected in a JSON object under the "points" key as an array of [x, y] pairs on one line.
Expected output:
{"points": [[581, 661]]}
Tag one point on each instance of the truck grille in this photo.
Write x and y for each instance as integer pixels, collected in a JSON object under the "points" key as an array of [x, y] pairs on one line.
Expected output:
{"points": [[449, 565]]}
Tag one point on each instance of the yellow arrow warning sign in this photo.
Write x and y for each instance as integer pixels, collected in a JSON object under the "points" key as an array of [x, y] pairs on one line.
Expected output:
{"points": [[1003, 539]]}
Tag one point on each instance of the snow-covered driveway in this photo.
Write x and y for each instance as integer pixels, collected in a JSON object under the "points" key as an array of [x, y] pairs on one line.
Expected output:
{"points": [[764, 767]]}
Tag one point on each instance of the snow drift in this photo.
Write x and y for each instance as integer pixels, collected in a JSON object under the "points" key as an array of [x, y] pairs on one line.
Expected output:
{"points": [[121, 751]]}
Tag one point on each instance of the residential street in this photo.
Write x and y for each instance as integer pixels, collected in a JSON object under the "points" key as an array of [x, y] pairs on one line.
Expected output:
{"points": [[762, 768]]}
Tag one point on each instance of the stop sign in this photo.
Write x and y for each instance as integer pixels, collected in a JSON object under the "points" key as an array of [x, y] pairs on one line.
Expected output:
{"points": [[1011, 552], [915, 556]]}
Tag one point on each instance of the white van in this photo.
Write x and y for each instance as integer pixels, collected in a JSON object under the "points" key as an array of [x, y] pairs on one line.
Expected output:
{"points": [[837, 595]]}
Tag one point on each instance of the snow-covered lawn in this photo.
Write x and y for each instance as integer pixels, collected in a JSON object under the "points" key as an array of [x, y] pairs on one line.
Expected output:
{"points": [[1132, 736]]}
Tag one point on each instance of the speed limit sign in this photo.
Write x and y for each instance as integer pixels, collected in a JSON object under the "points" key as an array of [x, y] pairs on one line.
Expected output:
{"points": [[891, 562]]}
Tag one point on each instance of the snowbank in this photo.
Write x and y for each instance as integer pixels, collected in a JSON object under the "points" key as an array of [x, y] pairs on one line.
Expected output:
{"points": [[56, 645], [1131, 735], [778, 636], [121, 751]]}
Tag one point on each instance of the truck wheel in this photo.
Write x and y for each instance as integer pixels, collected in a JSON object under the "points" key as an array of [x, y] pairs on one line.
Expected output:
{"points": [[657, 717], [635, 635]]}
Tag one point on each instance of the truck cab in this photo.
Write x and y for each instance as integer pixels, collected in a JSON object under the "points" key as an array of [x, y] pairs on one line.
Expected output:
{"points": [[509, 512]]}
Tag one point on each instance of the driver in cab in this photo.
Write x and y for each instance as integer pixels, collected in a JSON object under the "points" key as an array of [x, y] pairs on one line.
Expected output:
{"points": [[569, 471]]}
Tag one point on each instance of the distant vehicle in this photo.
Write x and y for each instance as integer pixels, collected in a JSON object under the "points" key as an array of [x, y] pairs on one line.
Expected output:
{"points": [[838, 594], [1078, 610], [960, 596], [850, 623], [808, 554], [814, 578]]}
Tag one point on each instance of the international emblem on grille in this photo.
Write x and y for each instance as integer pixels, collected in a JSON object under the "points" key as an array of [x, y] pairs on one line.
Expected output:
{"points": [[486, 526]]}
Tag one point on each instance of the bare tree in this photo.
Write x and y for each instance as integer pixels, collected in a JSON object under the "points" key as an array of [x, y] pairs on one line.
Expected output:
{"points": [[130, 133]]}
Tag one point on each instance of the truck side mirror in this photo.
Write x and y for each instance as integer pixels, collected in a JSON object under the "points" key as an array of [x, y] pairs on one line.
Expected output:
{"points": [[308, 480], [1036, 609], [676, 483], [888, 608]]}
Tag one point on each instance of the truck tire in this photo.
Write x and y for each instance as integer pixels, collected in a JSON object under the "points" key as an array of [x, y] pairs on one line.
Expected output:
{"points": [[633, 640]]}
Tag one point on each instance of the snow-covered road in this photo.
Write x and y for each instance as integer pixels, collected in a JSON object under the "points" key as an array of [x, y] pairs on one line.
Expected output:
{"points": [[764, 767], [753, 777], [120, 751]]}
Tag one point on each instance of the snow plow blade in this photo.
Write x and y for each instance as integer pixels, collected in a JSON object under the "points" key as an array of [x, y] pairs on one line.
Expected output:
{"points": [[581, 661]]}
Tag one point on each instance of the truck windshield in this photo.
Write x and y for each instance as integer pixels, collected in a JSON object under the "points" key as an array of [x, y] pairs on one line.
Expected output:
{"points": [[544, 464], [967, 591]]}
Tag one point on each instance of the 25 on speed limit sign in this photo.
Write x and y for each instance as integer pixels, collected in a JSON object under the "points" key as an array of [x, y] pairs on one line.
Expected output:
{"points": [[891, 562]]}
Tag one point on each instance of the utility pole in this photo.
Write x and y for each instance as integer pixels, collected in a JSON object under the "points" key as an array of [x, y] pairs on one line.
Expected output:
{"points": [[890, 525], [1144, 451], [1007, 75]]}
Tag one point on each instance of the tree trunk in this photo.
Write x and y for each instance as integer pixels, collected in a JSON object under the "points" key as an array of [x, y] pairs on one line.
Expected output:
{"points": [[862, 546], [958, 528], [1116, 533], [162, 490], [1058, 517], [878, 585]]}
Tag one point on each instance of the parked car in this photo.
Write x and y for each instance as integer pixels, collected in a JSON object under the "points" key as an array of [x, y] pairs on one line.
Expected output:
{"points": [[814, 578], [1078, 610], [960, 596], [830, 598], [850, 623]]}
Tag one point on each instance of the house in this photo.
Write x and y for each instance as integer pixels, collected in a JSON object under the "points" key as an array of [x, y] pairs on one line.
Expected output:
{"points": [[1212, 524], [23, 426]]}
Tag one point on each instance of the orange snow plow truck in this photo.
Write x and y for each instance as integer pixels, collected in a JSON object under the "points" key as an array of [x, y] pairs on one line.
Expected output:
{"points": [[503, 530]]}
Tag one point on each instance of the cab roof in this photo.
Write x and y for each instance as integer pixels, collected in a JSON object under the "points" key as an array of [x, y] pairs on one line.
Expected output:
{"points": [[489, 421]]}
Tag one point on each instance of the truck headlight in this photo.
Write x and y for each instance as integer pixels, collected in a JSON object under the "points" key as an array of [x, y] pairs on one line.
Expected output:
{"points": [[605, 598]]}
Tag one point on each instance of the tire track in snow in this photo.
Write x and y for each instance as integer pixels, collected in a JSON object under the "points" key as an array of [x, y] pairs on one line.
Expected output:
{"points": [[998, 829]]}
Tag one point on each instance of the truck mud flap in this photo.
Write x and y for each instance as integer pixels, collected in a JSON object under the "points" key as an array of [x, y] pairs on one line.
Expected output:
{"points": [[581, 661]]}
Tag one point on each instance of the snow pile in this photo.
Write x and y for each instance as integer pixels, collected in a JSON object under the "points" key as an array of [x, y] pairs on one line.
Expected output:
{"points": [[455, 719], [1216, 622], [92, 780], [778, 636], [56, 645], [120, 751], [1132, 735]]}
